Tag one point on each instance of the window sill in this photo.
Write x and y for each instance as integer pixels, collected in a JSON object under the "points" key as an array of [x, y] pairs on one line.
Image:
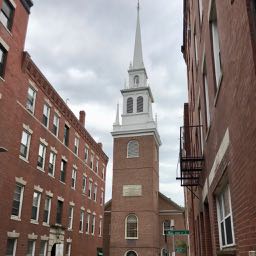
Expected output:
{"points": [[10, 33], [218, 90], [131, 238], [34, 222], [46, 224], [40, 169], [62, 182], [2, 79], [13, 217], [52, 176], [81, 232], [24, 159]]}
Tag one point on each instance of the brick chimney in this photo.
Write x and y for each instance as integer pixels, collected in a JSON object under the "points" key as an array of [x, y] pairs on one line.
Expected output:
{"points": [[82, 117]]}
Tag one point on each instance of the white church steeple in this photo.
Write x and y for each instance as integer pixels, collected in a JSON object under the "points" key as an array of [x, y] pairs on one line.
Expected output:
{"points": [[137, 114]]}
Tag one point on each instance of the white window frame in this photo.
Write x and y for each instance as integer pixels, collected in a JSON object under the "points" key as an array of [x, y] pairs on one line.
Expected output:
{"points": [[102, 198], [27, 143], [86, 154], [69, 249], [56, 123], [84, 184], [45, 247], [171, 227], [131, 238], [76, 145], [103, 173], [207, 100], [46, 113], [220, 197], [95, 189], [73, 181], [92, 161], [43, 147], [90, 189], [93, 224], [49, 199], [201, 9], [52, 160], [33, 247], [97, 166], [63, 170], [14, 248], [81, 221], [30, 107], [100, 228], [87, 226], [70, 217], [37, 206], [20, 201]]}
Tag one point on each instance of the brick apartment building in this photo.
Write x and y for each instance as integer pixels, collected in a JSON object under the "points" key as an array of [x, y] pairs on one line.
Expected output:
{"points": [[137, 216], [217, 156], [52, 179]]}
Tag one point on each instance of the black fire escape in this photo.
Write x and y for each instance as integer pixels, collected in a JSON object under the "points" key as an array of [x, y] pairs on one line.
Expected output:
{"points": [[190, 156]]}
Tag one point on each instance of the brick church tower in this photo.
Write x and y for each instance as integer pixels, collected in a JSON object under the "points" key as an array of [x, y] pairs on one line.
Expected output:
{"points": [[135, 213]]}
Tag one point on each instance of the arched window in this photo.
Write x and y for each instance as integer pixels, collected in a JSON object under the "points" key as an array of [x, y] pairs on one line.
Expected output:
{"points": [[130, 105], [131, 253], [133, 149], [164, 252], [131, 228], [136, 80], [140, 104]]}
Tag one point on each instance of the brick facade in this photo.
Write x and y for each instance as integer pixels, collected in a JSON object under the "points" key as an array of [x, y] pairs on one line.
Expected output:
{"points": [[219, 50], [16, 115]]}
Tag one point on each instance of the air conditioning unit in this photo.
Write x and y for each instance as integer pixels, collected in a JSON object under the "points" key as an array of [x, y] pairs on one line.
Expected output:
{"points": [[252, 253]]}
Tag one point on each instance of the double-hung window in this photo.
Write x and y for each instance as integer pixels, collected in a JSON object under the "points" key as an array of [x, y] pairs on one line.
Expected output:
{"points": [[70, 217], [76, 146], [73, 184], [24, 145], [81, 222], [59, 212], [41, 156], [102, 198], [66, 135], [86, 154], [3, 58], [87, 226], [95, 193], [46, 115], [47, 210], [31, 99], [17, 200], [103, 173], [90, 189], [100, 228], [35, 206], [93, 224], [43, 248], [63, 167], [68, 249], [92, 160], [84, 184], [52, 161], [56, 123], [225, 220], [11, 246], [97, 166], [7, 14], [31, 248]]}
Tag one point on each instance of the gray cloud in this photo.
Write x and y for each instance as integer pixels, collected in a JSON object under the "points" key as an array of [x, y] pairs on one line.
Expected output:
{"points": [[84, 49]]}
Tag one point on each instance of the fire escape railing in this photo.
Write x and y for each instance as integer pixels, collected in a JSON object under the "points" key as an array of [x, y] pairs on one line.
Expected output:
{"points": [[190, 156]]}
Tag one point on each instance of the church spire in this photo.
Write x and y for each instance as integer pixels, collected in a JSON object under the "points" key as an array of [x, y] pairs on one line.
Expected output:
{"points": [[138, 57]]}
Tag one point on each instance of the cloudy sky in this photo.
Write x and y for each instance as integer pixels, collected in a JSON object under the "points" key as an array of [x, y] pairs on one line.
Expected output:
{"points": [[84, 48]]}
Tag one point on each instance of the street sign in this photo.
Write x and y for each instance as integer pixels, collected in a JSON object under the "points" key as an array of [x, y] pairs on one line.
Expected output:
{"points": [[180, 249], [176, 232]]}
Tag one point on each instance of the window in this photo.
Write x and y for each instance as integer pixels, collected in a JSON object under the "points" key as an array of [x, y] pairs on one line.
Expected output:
{"points": [[164, 252], [93, 224], [215, 44], [76, 146], [43, 248], [52, 161], [201, 131], [95, 193], [56, 123], [102, 198], [140, 104], [225, 220], [81, 223], [47, 210], [11, 247], [3, 58], [59, 212], [136, 80], [73, 182], [17, 200], [35, 206], [86, 154], [196, 48], [133, 149], [103, 173], [31, 248], [7, 13], [41, 156], [206, 99], [97, 166], [87, 226], [130, 105], [24, 146], [131, 227], [70, 217], [200, 6], [31, 100], [66, 135], [46, 115], [63, 167], [90, 189], [68, 249], [167, 225], [100, 227], [131, 253], [84, 184], [92, 160]]}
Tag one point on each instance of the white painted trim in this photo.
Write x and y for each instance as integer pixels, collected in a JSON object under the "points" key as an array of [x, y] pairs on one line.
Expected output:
{"points": [[64, 158], [53, 149], [49, 193], [21, 181], [43, 141], [38, 188], [71, 203], [4, 44], [60, 198], [13, 4], [33, 85], [131, 238], [13, 234], [27, 128], [32, 236], [44, 238]]}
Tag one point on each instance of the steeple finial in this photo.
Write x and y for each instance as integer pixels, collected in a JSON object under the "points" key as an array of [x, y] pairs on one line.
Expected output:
{"points": [[138, 57]]}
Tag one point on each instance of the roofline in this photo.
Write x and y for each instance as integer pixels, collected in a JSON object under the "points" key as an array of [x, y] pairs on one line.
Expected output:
{"points": [[139, 89], [171, 201]]}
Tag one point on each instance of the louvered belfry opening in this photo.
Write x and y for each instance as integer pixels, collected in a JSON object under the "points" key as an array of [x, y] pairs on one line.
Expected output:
{"points": [[140, 104], [191, 156], [130, 105]]}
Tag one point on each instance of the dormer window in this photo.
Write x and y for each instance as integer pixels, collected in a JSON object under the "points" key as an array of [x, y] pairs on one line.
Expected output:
{"points": [[136, 80], [140, 104], [130, 105]]}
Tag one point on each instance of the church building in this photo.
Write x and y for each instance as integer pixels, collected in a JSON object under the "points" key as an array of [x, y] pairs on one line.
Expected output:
{"points": [[136, 218]]}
